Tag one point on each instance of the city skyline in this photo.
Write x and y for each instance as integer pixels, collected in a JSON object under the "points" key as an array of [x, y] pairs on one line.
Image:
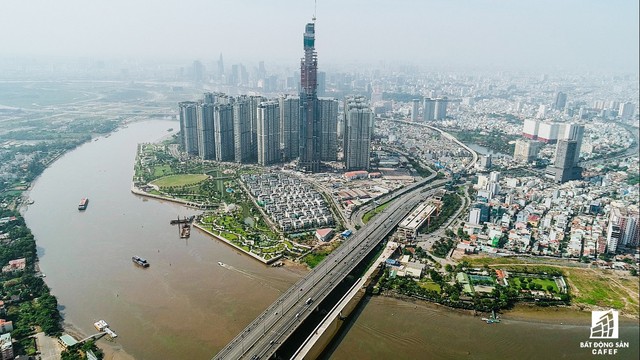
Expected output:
{"points": [[482, 34]]}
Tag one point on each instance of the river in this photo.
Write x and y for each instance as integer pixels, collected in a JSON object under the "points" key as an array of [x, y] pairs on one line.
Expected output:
{"points": [[186, 306], [483, 150], [388, 328]]}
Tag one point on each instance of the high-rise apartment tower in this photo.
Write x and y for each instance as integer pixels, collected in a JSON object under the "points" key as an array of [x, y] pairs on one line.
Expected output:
{"points": [[310, 154], [358, 130]]}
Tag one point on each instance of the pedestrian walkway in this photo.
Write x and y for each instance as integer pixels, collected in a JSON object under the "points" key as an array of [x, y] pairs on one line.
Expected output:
{"points": [[48, 347]]}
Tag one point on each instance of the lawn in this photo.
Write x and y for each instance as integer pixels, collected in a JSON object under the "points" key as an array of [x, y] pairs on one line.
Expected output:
{"points": [[313, 259], [593, 287], [370, 214], [162, 170], [514, 279], [179, 180], [603, 288], [229, 236], [479, 261], [430, 285]]}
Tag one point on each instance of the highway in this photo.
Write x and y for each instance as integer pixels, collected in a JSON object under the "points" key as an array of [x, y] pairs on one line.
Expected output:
{"points": [[262, 337], [359, 214]]}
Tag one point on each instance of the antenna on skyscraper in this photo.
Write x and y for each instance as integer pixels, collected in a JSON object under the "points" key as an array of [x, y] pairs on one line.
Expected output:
{"points": [[315, 5]]}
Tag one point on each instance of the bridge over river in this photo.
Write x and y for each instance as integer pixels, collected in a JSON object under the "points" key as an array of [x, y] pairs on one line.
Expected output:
{"points": [[280, 330], [283, 327]]}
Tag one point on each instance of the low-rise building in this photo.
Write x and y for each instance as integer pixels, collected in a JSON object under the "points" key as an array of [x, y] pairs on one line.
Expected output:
{"points": [[67, 340], [324, 234], [5, 326], [409, 226], [6, 347], [15, 265]]}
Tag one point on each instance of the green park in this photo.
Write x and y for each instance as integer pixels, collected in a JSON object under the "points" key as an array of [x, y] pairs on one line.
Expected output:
{"points": [[231, 215]]}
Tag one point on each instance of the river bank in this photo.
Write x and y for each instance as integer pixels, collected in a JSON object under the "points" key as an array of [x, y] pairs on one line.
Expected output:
{"points": [[110, 349], [184, 305], [384, 327], [522, 312]]}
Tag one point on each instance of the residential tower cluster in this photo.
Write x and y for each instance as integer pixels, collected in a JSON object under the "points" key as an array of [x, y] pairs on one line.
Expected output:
{"points": [[251, 128]]}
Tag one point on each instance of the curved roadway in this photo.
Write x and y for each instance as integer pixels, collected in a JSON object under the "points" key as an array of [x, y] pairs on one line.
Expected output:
{"points": [[262, 337]]}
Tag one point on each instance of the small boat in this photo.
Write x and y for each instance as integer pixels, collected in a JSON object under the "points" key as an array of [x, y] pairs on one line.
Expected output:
{"points": [[491, 320], [220, 263], [140, 261], [83, 204], [185, 231]]}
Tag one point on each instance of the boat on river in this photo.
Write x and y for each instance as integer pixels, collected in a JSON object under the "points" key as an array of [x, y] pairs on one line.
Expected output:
{"points": [[185, 230], [220, 263], [491, 320], [140, 261], [184, 220], [83, 204]]}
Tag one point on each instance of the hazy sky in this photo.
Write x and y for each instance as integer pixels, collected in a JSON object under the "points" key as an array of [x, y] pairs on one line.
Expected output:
{"points": [[555, 34]]}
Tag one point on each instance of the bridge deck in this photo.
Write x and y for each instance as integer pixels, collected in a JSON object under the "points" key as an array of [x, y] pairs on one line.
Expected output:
{"points": [[262, 337]]}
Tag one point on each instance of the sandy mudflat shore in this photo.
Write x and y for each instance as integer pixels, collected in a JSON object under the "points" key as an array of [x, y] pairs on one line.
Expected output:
{"points": [[111, 349], [551, 314], [568, 315], [113, 352]]}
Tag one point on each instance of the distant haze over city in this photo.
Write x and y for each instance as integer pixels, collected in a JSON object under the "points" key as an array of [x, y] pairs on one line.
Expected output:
{"points": [[547, 35]]}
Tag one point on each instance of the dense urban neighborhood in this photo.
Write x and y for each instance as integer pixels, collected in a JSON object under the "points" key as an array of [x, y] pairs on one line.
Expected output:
{"points": [[528, 186]]}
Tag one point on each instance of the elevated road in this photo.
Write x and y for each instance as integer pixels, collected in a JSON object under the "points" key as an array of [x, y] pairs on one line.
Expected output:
{"points": [[357, 216], [262, 338]]}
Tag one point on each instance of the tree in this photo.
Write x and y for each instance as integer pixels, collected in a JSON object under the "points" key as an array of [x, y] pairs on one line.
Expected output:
{"points": [[633, 272], [435, 276], [605, 257], [550, 288], [448, 268], [503, 241]]}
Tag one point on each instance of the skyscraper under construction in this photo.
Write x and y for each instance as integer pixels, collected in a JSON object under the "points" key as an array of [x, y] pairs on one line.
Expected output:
{"points": [[310, 130]]}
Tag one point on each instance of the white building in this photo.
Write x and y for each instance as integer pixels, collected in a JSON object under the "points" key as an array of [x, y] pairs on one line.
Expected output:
{"points": [[410, 225], [526, 150], [268, 130], [357, 133]]}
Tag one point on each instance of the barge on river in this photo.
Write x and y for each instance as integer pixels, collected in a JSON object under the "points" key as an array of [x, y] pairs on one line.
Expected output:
{"points": [[185, 220]]}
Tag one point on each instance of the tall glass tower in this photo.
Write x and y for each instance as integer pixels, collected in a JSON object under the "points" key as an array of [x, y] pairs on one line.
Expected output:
{"points": [[310, 153]]}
